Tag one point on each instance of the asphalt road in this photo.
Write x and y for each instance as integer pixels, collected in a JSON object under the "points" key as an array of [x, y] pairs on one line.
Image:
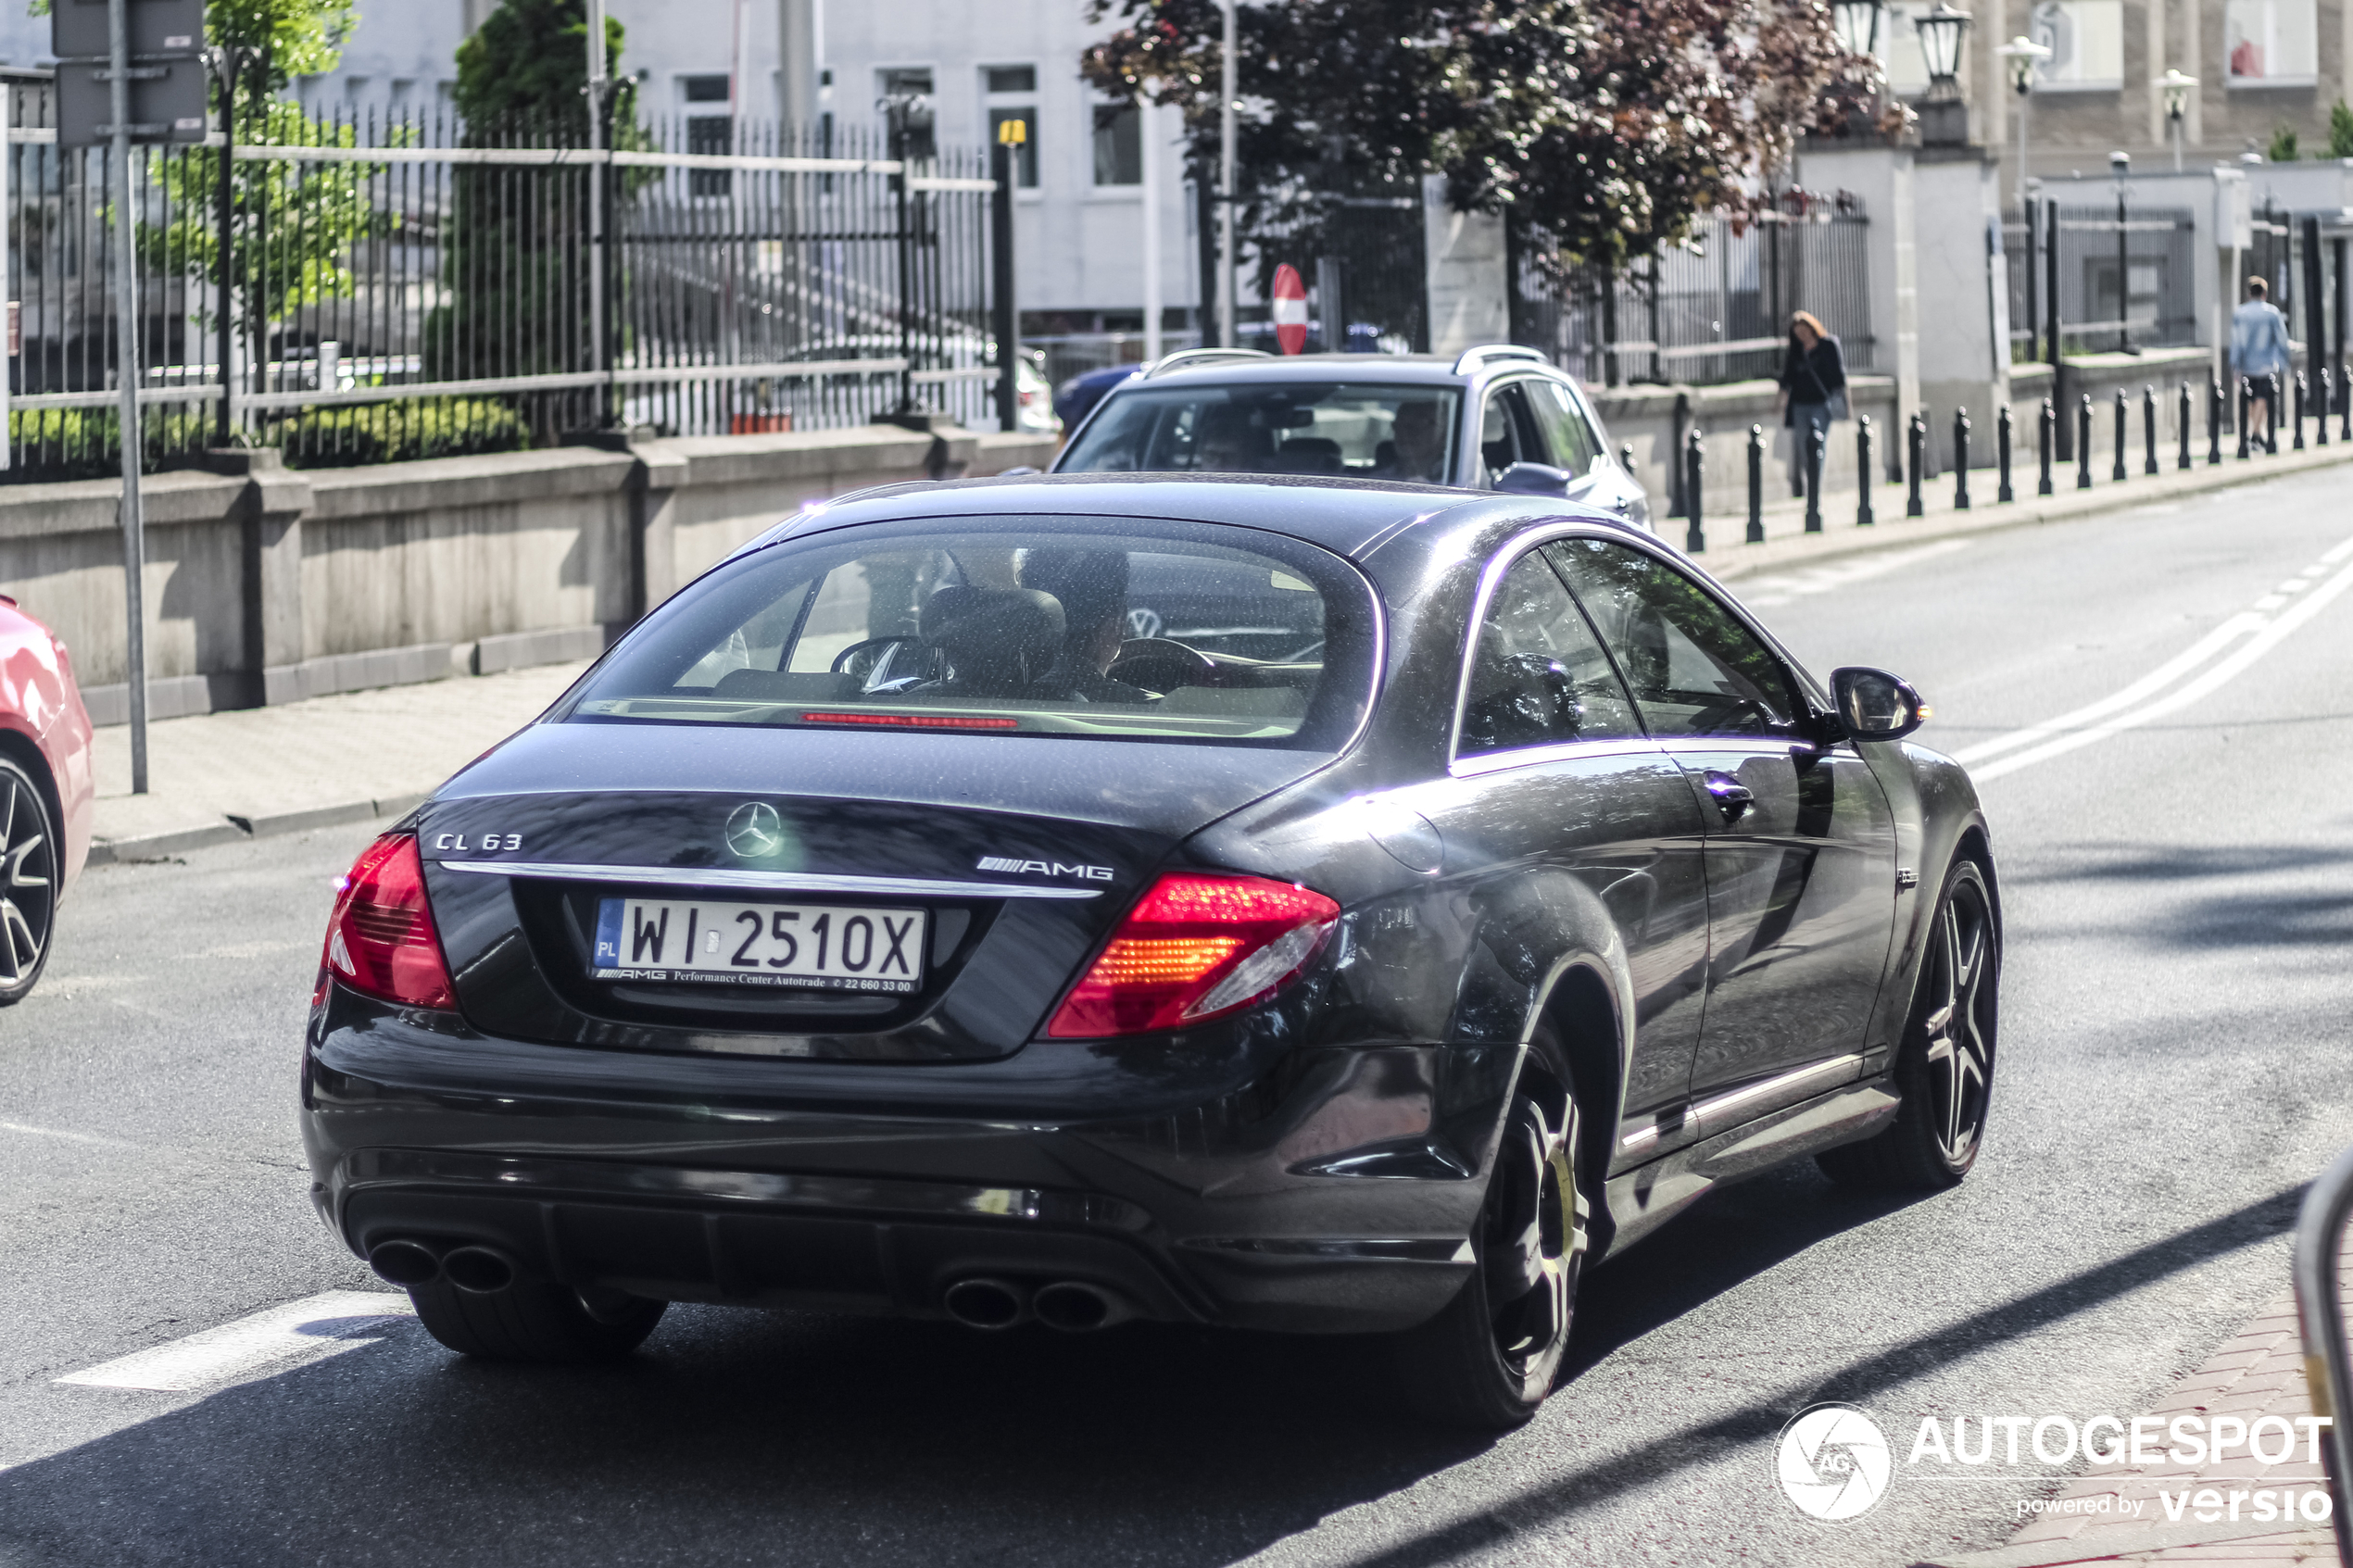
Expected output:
{"points": [[2174, 1065]]}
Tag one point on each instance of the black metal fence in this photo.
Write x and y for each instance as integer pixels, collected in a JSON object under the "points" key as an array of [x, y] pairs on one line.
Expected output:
{"points": [[388, 289], [1712, 310], [2124, 281]]}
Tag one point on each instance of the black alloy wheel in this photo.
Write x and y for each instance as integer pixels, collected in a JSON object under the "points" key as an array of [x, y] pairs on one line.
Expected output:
{"points": [[1489, 1359], [27, 882], [1944, 1070]]}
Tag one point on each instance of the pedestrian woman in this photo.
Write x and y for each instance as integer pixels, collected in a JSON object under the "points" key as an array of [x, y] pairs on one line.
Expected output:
{"points": [[1813, 389]]}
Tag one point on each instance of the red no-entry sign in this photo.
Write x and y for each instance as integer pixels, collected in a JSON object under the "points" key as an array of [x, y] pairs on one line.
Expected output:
{"points": [[1290, 309]]}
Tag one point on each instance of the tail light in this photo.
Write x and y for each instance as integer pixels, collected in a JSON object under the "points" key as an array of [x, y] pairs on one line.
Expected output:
{"points": [[1196, 946], [381, 939]]}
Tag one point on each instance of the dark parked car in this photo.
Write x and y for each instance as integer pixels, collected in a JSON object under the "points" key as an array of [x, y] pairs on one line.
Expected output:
{"points": [[1431, 897]]}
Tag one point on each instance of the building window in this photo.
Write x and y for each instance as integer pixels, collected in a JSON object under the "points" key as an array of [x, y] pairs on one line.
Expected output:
{"points": [[707, 133], [1119, 145], [1011, 79], [911, 84], [2086, 42], [2271, 42]]}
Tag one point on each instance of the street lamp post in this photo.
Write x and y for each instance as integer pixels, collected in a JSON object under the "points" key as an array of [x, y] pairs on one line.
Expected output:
{"points": [[2119, 163], [1943, 116], [2023, 56], [2176, 87]]}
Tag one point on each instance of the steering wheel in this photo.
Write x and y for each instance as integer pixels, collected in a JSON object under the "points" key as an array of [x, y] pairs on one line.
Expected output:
{"points": [[1161, 664]]}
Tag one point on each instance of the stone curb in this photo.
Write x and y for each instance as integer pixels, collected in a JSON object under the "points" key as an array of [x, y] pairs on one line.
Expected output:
{"points": [[1728, 562], [236, 829]]}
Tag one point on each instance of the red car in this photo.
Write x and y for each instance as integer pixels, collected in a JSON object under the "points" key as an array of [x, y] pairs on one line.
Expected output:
{"points": [[48, 793]]}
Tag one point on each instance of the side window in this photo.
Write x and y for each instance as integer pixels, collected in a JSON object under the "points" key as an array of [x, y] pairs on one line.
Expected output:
{"points": [[1565, 431], [1507, 433], [1537, 677], [1694, 669]]}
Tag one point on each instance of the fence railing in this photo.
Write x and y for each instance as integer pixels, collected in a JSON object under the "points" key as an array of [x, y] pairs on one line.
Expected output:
{"points": [[1713, 310], [2124, 282], [412, 287]]}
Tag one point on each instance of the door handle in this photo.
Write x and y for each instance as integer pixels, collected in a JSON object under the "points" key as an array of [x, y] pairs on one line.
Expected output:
{"points": [[1732, 797]]}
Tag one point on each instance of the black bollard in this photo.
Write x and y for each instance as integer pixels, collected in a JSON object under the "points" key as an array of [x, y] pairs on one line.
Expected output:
{"points": [[1863, 518], [2116, 469], [1625, 459], [1960, 459], [2002, 449], [2247, 395], [2324, 399], [2046, 431], [2301, 392], [2271, 415], [2213, 418], [1915, 438], [2182, 424], [2083, 443], [1757, 484], [2344, 402], [1815, 438], [1694, 458], [2148, 427]]}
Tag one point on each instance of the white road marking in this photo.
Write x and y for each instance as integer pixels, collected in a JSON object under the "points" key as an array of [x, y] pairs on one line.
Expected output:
{"points": [[91, 1138], [2203, 668], [320, 1326], [1780, 587]]}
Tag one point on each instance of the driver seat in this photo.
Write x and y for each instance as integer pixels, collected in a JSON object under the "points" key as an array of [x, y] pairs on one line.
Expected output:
{"points": [[997, 640]]}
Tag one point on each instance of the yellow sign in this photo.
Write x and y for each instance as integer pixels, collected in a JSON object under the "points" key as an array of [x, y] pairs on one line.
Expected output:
{"points": [[1012, 132]]}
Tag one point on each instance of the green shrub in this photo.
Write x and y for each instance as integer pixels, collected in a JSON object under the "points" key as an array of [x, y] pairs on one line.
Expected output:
{"points": [[397, 431], [2282, 148]]}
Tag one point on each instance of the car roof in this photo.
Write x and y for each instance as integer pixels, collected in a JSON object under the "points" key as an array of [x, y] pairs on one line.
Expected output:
{"points": [[1412, 369], [1341, 515]]}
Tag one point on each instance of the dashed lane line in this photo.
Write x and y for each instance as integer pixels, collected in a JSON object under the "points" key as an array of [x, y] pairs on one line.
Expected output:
{"points": [[315, 1327]]}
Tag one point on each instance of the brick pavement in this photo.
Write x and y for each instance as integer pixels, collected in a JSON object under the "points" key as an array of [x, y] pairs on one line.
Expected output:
{"points": [[2120, 1513]]}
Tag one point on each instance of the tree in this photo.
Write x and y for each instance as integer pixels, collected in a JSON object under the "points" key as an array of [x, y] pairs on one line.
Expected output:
{"points": [[2282, 148], [2340, 130], [1609, 124]]}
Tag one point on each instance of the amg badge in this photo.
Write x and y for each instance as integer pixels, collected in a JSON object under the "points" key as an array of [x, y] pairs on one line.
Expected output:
{"points": [[1043, 867]]}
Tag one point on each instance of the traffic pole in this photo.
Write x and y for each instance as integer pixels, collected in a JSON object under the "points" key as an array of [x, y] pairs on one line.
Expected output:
{"points": [[134, 545]]}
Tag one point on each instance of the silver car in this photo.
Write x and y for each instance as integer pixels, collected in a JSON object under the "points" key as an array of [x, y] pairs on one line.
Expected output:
{"points": [[1495, 418]]}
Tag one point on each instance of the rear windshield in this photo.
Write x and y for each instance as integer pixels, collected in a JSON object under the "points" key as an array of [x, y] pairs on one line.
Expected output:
{"points": [[1114, 629], [1365, 431]]}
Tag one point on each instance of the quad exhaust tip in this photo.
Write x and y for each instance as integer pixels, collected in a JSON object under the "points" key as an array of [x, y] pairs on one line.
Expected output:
{"points": [[1068, 1306], [1078, 1309], [405, 1262], [481, 1270], [986, 1303]]}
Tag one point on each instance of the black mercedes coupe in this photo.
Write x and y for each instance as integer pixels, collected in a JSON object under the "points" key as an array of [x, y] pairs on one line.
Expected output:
{"points": [[1292, 904]]}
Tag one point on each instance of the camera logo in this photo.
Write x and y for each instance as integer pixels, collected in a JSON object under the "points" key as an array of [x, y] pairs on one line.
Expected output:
{"points": [[1834, 1462]]}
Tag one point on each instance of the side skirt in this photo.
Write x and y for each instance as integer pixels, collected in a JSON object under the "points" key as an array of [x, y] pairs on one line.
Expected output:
{"points": [[1643, 1198]]}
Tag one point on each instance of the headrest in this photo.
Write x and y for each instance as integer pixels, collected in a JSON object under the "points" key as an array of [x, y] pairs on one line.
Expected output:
{"points": [[999, 639]]}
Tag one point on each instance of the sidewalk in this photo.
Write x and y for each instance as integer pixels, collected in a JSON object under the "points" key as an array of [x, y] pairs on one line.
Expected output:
{"points": [[218, 778], [2115, 1513], [1725, 511]]}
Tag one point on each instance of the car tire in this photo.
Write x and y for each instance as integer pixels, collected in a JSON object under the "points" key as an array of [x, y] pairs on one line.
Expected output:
{"points": [[29, 881], [530, 1321], [1945, 1067], [1488, 1359]]}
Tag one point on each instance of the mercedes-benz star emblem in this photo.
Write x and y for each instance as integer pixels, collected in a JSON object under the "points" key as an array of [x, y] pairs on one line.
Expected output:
{"points": [[754, 831]]}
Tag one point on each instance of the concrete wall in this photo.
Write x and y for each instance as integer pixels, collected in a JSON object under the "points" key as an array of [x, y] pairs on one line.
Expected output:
{"points": [[268, 586]]}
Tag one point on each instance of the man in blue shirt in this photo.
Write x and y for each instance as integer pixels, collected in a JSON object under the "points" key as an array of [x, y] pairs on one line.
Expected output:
{"points": [[2259, 348]]}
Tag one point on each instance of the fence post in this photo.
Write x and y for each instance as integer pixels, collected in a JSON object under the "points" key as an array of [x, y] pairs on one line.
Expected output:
{"points": [[1863, 518], [2003, 493], [2322, 402], [2083, 443], [1960, 459], [1756, 484], [2047, 427], [1814, 441], [2116, 467], [2301, 390], [1915, 437], [2182, 422], [1696, 455], [1006, 319], [224, 244]]}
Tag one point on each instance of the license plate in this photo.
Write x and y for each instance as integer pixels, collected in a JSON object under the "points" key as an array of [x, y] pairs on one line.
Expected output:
{"points": [[827, 947]]}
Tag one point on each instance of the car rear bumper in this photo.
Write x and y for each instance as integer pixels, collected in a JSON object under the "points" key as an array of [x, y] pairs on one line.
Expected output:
{"points": [[1341, 1202]]}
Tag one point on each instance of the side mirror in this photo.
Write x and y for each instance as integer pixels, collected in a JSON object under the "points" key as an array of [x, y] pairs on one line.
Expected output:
{"points": [[1536, 479], [1874, 705]]}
